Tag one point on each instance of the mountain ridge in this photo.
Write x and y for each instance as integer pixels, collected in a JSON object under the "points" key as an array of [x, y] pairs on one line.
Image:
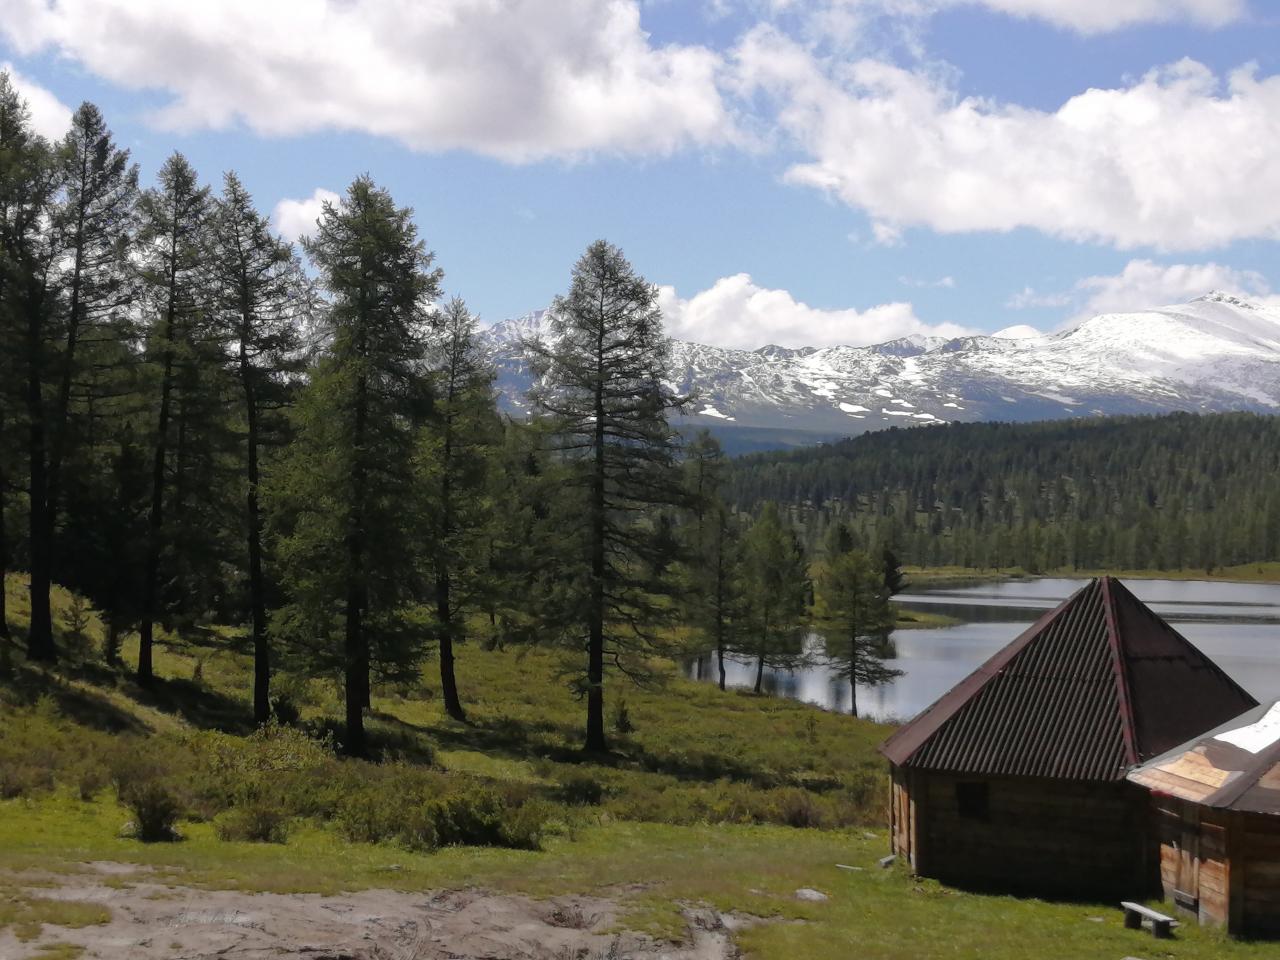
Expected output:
{"points": [[1214, 353]]}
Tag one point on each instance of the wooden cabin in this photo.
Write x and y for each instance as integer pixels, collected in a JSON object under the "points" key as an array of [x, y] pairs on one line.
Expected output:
{"points": [[1015, 780], [1215, 807]]}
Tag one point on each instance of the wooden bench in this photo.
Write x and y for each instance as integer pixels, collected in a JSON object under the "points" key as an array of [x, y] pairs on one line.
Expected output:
{"points": [[1161, 926]]}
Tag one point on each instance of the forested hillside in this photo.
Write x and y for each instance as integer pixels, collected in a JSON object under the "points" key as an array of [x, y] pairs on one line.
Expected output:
{"points": [[1172, 492]]}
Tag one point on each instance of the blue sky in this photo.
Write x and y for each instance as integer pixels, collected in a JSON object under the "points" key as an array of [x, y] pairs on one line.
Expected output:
{"points": [[795, 171]]}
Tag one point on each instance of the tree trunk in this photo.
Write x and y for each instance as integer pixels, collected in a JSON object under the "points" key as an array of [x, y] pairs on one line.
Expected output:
{"points": [[853, 697], [595, 641], [444, 609], [720, 654], [40, 639], [4, 558], [356, 650], [62, 413], [257, 588], [448, 681], [759, 687], [112, 652], [253, 510]]}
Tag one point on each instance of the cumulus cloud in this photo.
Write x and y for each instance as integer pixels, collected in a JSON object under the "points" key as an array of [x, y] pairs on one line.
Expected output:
{"points": [[50, 117], [295, 219], [519, 80], [1177, 160], [737, 312], [1144, 284]]}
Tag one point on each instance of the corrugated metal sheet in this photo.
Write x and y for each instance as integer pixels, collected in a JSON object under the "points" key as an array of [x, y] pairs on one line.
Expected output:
{"points": [[1089, 690], [1220, 770]]}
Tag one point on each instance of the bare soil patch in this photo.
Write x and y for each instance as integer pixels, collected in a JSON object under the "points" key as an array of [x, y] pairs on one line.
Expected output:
{"points": [[156, 921]]}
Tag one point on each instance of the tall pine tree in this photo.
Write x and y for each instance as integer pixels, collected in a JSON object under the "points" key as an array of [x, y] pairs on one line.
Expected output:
{"points": [[456, 458], [263, 298], [28, 183], [350, 555], [174, 219], [603, 386]]}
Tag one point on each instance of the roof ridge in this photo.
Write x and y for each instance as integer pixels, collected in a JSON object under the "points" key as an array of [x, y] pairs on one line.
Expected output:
{"points": [[1128, 722], [913, 735]]}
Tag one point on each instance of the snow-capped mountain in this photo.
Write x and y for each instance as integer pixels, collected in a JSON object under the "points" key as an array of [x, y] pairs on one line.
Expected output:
{"points": [[1218, 352]]}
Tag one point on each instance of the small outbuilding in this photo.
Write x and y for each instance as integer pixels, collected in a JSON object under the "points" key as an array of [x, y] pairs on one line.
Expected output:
{"points": [[1215, 807], [1015, 780]]}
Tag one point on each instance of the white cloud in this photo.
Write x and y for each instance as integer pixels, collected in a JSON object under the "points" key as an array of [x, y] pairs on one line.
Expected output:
{"points": [[947, 283], [1144, 285], [1019, 331], [519, 80], [50, 117], [1029, 297], [1095, 16], [736, 312], [1172, 161], [295, 219], [1083, 16]]}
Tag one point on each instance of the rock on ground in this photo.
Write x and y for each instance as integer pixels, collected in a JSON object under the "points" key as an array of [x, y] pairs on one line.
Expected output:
{"points": [[154, 921]]}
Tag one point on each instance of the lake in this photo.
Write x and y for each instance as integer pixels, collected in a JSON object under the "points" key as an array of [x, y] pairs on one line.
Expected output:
{"points": [[1237, 624]]}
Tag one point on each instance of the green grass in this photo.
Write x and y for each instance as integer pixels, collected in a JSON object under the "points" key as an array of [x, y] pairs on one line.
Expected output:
{"points": [[650, 867], [26, 913], [696, 755]]}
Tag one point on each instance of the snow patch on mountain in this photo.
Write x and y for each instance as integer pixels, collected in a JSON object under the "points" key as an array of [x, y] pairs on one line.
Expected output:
{"points": [[1218, 352]]}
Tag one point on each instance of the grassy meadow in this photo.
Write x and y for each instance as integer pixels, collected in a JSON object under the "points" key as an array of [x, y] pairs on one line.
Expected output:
{"points": [[721, 798]]}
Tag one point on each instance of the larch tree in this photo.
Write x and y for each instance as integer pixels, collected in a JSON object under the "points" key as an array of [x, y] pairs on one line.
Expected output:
{"points": [[94, 223], [776, 575], [603, 384], [350, 548], [853, 597], [173, 251], [28, 184], [262, 299], [713, 544], [455, 460]]}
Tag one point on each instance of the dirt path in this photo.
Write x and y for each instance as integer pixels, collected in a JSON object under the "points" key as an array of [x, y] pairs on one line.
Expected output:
{"points": [[154, 921]]}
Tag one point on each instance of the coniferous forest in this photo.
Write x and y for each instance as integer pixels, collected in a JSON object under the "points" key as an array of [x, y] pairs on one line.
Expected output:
{"points": [[1176, 492], [202, 428]]}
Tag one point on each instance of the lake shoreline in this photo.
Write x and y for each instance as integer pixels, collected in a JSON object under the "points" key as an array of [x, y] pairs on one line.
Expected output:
{"points": [[934, 577]]}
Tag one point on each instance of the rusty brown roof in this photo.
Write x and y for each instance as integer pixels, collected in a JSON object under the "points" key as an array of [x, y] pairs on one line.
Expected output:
{"points": [[1090, 689], [1233, 767]]}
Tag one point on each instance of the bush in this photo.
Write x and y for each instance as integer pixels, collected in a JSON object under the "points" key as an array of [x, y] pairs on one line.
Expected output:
{"points": [[796, 808], [581, 790], [622, 718], [253, 823], [155, 808], [91, 778]]}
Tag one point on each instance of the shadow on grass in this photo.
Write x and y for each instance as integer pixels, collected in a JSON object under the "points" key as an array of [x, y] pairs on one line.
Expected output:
{"points": [[25, 684], [195, 703], [78, 688]]}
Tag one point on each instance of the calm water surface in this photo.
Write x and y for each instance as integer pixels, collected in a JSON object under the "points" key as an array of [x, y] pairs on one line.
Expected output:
{"points": [[1237, 624]]}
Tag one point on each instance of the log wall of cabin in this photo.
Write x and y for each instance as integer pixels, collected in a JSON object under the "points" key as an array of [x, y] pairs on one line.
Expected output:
{"points": [[1037, 836], [1221, 866], [1258, 848], [902, 816]]}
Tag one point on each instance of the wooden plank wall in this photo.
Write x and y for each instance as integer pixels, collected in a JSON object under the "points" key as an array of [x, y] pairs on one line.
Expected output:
{"points": [[1237, 859], [1041, 836], [901, 815], [1260, 881]]}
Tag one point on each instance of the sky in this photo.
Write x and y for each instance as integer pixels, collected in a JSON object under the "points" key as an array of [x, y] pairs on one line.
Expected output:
{"points": [[802, 172]]}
